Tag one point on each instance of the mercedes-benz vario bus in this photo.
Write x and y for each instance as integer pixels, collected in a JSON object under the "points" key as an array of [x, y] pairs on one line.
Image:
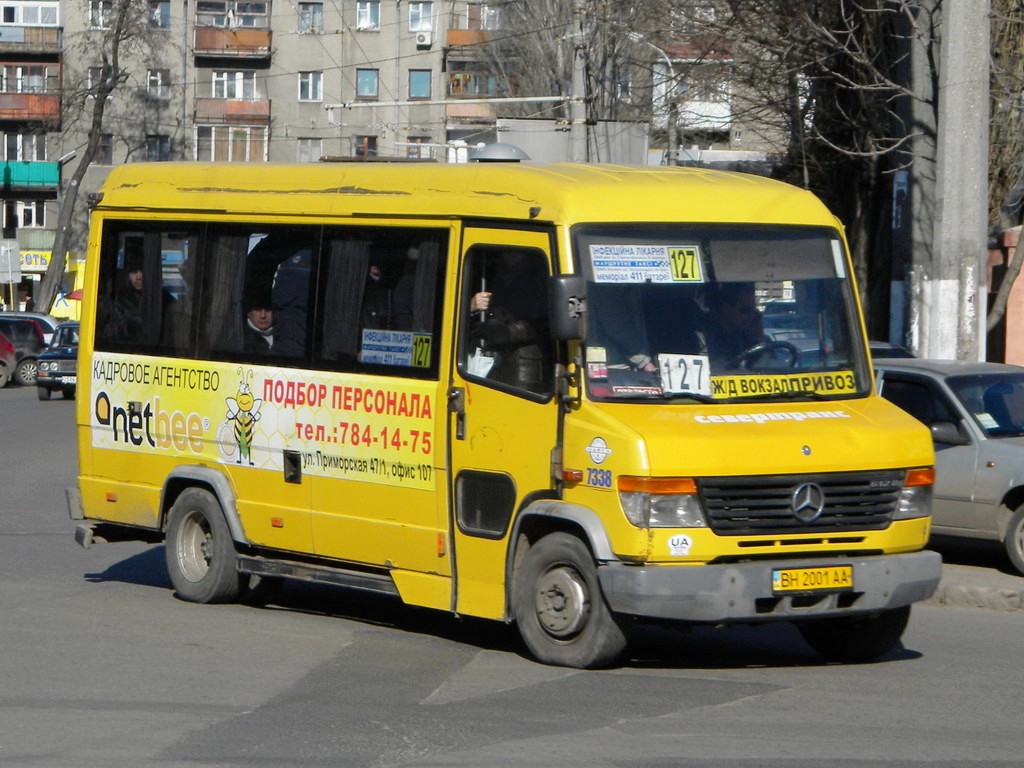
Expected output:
{"points": [[567, 397]]}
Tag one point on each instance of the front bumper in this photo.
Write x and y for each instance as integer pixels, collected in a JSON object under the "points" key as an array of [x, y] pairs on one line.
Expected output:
{"points": [[742, 592]]}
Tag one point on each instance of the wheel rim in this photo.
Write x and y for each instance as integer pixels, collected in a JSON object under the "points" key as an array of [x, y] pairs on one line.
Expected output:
{"points": [[1017, 537], [194, 545], [28, 373], [562, 602]]}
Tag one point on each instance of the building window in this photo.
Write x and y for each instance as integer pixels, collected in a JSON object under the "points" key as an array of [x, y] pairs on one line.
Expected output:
{"points": [[482, 15], [365, 146], [368, 15], [419, 83], [309, 150], [311, 86], [232, 143], [100, 12], [419, 147], [160, 14], [311, 17], [158, 84], [25, 146], [31, 14], [32, 213], [158, 148], [367, 85], [234, 85], [419, 16], [231, 13], [105, 155], [27, 78]]}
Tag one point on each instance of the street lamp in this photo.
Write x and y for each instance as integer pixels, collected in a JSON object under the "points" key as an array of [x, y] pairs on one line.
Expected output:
{"points": [[670, 95]]}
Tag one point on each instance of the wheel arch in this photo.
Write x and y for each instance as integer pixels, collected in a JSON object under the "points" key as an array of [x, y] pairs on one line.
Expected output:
{"points": [[545, 516], [215, 482], [1011, 502]]}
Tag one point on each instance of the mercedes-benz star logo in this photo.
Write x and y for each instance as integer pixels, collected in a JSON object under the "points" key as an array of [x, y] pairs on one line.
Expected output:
{"points": [[807, 502]]}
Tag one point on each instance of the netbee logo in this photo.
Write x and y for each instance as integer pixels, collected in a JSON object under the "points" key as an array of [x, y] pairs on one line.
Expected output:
{"points": [[151, 425]]}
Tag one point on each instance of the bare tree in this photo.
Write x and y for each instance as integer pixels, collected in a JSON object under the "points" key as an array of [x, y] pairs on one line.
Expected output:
{"points": [[124, 36], [1006, 140]]}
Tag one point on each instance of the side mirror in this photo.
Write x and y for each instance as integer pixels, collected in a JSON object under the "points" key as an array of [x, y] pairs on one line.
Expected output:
{"points": [[949, 433], [567, 304]]}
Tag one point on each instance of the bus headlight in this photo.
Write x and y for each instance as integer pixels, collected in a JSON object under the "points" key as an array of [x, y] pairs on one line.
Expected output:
{"points": [[661, 502], [916, 497]]}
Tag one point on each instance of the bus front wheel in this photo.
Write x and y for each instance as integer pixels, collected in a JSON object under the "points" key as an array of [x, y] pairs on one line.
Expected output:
{"points": [[200, 553], [559, 608]]}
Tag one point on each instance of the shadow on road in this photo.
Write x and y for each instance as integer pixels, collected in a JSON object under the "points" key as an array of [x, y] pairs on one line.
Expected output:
{"points": [[653, 646], [973, 552], [146, 569]]}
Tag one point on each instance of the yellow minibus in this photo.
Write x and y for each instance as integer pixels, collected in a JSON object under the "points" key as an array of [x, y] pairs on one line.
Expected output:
{"points": [[567, 397]]}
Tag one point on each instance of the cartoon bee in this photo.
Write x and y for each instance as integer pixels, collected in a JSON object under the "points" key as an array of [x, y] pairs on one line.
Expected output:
{"points": [[243, 413]]}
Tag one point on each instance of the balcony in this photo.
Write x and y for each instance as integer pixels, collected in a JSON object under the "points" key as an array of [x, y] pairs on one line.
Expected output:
{"points": [[462, 37], [220, 42], [240, 111], [30, 107], [29, 177], [33, 40]]}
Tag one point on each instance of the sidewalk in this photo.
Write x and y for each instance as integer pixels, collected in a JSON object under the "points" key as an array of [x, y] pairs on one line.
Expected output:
{"points": [[977, 575]]}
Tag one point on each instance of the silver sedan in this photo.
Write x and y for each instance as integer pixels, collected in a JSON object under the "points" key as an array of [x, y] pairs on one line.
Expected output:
{"points": [[976, 415]]}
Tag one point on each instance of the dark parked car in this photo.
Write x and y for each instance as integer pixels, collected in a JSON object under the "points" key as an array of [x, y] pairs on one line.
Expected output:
{"points": [[8, 357], [57, 366], [976, 415], [27, 337], [48, 323]]}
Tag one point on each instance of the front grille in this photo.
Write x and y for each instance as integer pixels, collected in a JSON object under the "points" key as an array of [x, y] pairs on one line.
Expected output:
{"points": [[854, 501]]}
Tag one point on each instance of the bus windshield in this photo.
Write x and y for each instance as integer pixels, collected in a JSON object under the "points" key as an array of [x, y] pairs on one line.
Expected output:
{"points": [[708, 312]]}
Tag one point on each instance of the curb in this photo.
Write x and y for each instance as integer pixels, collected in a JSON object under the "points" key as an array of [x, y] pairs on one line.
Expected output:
{"points": [[991, 598]]}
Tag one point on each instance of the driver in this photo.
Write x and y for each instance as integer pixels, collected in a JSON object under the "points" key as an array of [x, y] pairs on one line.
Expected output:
{"points": [[734, 323]]}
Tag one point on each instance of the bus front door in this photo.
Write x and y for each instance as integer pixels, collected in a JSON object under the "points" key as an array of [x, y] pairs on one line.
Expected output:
{"points": [[502, 409]]}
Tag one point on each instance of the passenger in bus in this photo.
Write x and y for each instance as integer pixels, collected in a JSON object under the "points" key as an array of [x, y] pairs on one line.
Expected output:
{"points": [[510, 323], [289, 297], [388, 298], [259, 327], [125, 319]]}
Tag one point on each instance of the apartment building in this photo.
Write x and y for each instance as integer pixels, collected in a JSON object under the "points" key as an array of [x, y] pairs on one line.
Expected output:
{"points": [[258, 81], [31, 61]]}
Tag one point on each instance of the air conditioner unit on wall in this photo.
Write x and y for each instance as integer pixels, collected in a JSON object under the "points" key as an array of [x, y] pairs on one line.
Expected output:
{"points": [[424, 39]]}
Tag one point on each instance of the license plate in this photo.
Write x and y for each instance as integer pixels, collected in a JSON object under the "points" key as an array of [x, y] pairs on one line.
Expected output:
{"points": [[832, 578]]}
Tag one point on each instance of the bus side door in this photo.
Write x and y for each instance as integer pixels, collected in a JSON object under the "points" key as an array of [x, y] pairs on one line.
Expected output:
{"points": [[503, 412]]}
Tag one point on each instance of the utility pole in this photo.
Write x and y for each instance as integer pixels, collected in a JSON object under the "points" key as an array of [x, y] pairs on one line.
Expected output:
{"points": [[577, 99], [955, 298]]}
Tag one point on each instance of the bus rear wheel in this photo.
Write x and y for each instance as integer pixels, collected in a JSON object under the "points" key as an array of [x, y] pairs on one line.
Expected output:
{"points": [[857, 638], [559, 608], [201, 558]]}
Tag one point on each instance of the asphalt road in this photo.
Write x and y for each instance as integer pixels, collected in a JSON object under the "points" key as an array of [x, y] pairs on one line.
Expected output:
{"points": [[102, 666]]}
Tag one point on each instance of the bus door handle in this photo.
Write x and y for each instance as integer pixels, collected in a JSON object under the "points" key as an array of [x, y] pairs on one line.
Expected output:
{"points": [[457, 405]]}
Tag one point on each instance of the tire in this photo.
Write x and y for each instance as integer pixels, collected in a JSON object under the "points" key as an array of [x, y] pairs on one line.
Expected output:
{"points": [[68, 394], [857, 638], [561, 614], [1014, 541], [5, 376], [42, 393], [200, 554], [25, 372]]}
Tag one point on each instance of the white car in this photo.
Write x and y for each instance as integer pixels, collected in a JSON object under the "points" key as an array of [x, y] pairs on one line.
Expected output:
{"points": [[976, 415]]}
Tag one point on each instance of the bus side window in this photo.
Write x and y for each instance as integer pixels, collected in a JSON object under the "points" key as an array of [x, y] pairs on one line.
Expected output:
{"points": [[380, 302]]}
